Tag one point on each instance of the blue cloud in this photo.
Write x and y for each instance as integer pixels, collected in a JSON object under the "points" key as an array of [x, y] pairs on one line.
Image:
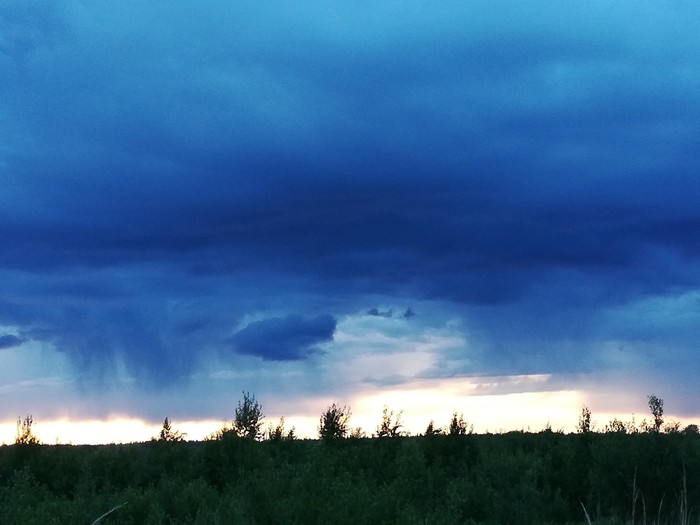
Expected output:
{"points": [[9, 341], [375, 312], [287, 338], [390, 313], [528, 169]]}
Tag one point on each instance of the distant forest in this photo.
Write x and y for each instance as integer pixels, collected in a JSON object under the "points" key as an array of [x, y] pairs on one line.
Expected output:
{"points": [[646, 473]]}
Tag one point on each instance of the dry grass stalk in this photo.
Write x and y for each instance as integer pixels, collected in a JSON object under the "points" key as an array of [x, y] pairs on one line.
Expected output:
{"points": [[588, 518], [684, 511], [108, 513]]}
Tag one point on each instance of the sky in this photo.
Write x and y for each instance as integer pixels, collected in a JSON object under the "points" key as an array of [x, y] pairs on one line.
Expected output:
{"points": [[486, 207]]}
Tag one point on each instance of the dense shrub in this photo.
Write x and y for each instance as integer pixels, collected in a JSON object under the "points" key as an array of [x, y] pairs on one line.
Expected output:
{"points": [[517, 478]]}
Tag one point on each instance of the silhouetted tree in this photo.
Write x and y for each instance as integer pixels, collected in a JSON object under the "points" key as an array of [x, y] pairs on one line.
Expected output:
{"points": [[584, 421], [459, 427], [616, 426], [275, 433], [248, 418], [358, 433], [691, 430], [391, 424], [225, 430], [25, 435], [656, 405], [431, 430], [278, 433], [334, 422], [168, 434], [672, 427]]}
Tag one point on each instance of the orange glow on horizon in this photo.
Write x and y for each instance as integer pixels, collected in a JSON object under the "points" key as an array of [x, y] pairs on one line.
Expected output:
{"points": [[491, 404]]}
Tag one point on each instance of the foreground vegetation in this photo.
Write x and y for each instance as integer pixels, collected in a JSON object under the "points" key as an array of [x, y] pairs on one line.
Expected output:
{"points": [[517, 477]]}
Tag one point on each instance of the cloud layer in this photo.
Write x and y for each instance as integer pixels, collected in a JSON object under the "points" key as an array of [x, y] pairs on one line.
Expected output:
{"points": [[219, 183]]}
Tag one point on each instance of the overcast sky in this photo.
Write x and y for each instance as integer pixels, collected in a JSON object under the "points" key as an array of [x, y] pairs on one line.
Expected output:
{"points": [[311, 200]]}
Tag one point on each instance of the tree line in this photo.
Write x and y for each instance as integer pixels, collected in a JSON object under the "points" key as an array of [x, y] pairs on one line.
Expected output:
{"points": [[334, 423], [251, 473]]}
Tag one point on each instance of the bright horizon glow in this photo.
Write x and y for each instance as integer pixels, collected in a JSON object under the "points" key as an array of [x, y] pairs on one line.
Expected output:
{"points": [[420, 402], [103, 432]]}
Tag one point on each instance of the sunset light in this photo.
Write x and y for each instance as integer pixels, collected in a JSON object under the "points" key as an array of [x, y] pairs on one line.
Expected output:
{"points": [[472, 220]]}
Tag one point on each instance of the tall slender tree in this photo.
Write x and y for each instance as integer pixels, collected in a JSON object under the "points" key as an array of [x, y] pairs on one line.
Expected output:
{"points": [[167, 433], [25, 434], [584, 421], [248, 418], [656, 405]]}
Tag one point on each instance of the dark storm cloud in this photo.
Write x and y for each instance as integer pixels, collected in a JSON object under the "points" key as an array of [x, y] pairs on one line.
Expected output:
{"points": [[390, 313], [287, 338], [9, 341], [98, 336], [166, 171], [374, 312]]}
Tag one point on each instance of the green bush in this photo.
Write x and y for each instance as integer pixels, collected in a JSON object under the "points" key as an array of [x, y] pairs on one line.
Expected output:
{"points": [[517, 478]]}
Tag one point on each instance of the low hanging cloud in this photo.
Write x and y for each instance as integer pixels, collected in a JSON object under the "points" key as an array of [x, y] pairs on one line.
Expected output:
{"points": [[390, 313], [289, 338], [375, 312], [526, 175], [9, 341]]}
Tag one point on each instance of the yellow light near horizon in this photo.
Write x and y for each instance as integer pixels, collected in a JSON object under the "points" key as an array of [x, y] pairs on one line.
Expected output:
{"points": [[420, 405], [490, 412], [98, 432], [491, 404]]}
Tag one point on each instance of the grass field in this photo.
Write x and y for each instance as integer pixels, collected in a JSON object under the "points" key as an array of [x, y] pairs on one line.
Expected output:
{"points": [[511, 478]]}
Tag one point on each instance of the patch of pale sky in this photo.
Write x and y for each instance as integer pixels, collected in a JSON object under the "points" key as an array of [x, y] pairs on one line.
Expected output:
{"points": [[29, 363], [658, 313], [370, 348]]}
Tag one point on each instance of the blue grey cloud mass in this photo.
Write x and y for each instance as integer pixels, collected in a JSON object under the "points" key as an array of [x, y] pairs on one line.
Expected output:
{"points": [[287, 338], [169, 171], [9, 341]]}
